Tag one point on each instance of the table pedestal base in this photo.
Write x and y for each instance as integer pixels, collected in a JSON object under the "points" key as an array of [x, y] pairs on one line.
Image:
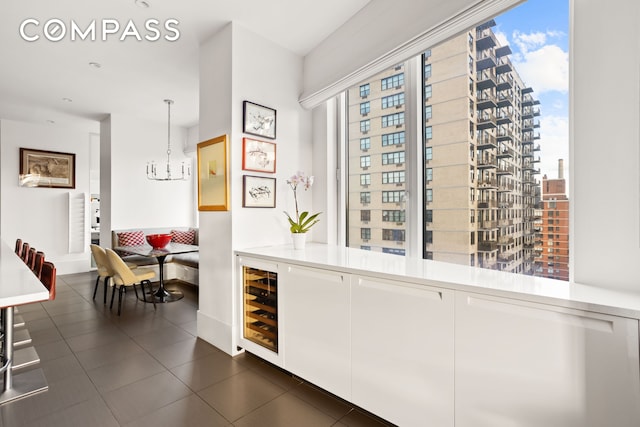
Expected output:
{"points": [[166, 295], [25, 384]]}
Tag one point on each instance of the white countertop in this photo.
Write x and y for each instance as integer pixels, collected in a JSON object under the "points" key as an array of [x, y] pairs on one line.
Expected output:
{"points": [[18, 284], [456, 277]]}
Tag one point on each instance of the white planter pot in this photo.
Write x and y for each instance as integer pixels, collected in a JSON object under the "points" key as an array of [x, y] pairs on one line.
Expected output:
{"points": [[299, 240]]}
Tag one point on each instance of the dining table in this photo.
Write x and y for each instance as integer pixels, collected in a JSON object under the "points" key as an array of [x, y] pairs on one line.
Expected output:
{"points": [[18, 286], [162, 294]]}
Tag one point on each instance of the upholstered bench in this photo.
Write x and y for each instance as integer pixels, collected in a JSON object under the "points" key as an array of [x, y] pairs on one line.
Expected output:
{"points": [[183, 266]]}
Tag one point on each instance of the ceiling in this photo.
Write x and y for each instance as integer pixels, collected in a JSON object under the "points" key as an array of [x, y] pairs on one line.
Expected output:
{"points": [[53, 82]]}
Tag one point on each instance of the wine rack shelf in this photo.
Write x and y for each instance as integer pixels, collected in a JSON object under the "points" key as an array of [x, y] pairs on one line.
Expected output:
{"points": [[260, 308]]}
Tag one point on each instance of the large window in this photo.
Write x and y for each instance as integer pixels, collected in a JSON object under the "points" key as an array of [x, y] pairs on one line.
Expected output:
{"points": [[476, 127]]}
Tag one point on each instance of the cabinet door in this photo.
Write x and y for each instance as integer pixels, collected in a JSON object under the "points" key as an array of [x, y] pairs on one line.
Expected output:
{"points": [[402, 353], [530, 365], [315, 320]]}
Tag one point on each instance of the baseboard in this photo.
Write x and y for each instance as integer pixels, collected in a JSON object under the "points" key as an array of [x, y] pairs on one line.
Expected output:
{"points": [[217, 333]]}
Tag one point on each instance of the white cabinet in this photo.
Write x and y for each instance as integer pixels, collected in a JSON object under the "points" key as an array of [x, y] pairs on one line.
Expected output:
{"points": [[529, 365], [402, 351], [315, 313]]}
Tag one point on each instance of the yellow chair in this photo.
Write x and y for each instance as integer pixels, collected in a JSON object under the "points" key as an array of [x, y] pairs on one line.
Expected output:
{"points": [[124, 276], [104, 269]]}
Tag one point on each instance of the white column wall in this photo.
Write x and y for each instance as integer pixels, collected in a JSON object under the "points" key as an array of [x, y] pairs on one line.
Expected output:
{"points": [[238, 65], [604, 157]]}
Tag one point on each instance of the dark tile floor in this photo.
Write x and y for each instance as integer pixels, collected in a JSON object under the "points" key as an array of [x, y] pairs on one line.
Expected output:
{"points": [[148, 368]]}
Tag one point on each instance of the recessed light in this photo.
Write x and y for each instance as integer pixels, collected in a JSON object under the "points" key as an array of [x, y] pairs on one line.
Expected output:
{"points": [[95, 64], [143, 4], [67, 99]]}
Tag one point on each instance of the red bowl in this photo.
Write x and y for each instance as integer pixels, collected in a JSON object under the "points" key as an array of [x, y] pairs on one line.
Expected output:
{"points": [[158, 241]]}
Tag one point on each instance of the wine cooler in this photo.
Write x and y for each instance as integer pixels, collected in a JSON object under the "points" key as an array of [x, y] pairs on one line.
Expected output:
{"points": [[260, 308]]}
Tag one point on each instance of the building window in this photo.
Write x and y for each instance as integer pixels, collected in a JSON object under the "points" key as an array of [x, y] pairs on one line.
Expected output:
{"points": [[365, 215], [365, 161], [365, 197], [393, 235], [365, 107], [396, 177], [392, 82], [365, 90], [365, 233], [395, 119], [365, 125], [427, 71], [428, 153], [428, 91], [393, 216], [428, 235], [428, 133], [428, 112], [395, 100], [428, 174], [427, 54], [393, 158], [393, 138], [392, 196], [365, 248], [365, 179], [428, 215], [365, 143], [428, 195], [394, 251]]}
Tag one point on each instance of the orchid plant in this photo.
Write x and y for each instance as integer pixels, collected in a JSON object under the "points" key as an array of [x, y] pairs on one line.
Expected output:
{"points": [[302, 222]]}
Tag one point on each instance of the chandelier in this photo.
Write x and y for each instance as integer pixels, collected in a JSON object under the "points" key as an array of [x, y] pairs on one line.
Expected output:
{"points": [[177, 172]]}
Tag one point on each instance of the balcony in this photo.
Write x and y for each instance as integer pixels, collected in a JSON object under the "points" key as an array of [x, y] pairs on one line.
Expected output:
{"points": [[487, 162], [491, 204], [486, 121], [505, 82], [485, 100], [506, 169], [504, 64], [487, 246], [506, 240], [485, 79], [505, 99], [505, 119], [485, 59], [486, 141], [487, 225], [487, 183], [506, 152]]}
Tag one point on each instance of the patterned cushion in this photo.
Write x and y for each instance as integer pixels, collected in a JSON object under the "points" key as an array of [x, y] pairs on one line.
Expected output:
{"points": [[130, 238], [184, 237]]}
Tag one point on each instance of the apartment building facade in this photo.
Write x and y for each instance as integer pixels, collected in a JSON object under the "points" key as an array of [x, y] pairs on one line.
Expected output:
{"points": [[480, 150], [553, 228]]}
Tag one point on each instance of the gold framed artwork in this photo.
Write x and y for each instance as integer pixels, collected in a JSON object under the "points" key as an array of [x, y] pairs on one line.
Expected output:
{"points": [[213, 175], [52, 169]]}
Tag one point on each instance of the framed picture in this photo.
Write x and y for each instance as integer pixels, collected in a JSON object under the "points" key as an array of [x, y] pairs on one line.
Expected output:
{"points": [[39, 168], [258, 192], [258, 156], [213, 175], [259, 120]]}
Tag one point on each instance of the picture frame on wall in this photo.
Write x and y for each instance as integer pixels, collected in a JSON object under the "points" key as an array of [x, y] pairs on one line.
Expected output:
{"points": [[259, 120], [213, 175], [258, 156], [51, 169], [258, 192]]}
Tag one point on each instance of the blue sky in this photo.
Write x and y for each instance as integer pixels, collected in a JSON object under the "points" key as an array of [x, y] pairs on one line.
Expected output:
{"points": [[538, 33]]}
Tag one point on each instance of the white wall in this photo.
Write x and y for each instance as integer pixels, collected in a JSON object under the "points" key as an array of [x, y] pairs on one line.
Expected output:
{"points": [[237, 65], [135, 201], [605, 181], [40, 216]]}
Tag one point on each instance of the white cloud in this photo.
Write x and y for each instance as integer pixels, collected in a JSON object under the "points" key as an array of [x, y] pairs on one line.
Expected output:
{"points": [[544, 69], [554, 145]]}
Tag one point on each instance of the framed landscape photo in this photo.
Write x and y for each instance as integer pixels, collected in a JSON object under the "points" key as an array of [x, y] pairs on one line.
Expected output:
{"points": [[258, 192], [258, 156], [213, 175], [259, 120], [52, 169]]}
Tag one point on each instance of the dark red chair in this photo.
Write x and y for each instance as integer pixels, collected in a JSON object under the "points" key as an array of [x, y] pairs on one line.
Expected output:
{"points": [[48, 278], [31, 257], [38, 261], [25, 251], [19, 247]]}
